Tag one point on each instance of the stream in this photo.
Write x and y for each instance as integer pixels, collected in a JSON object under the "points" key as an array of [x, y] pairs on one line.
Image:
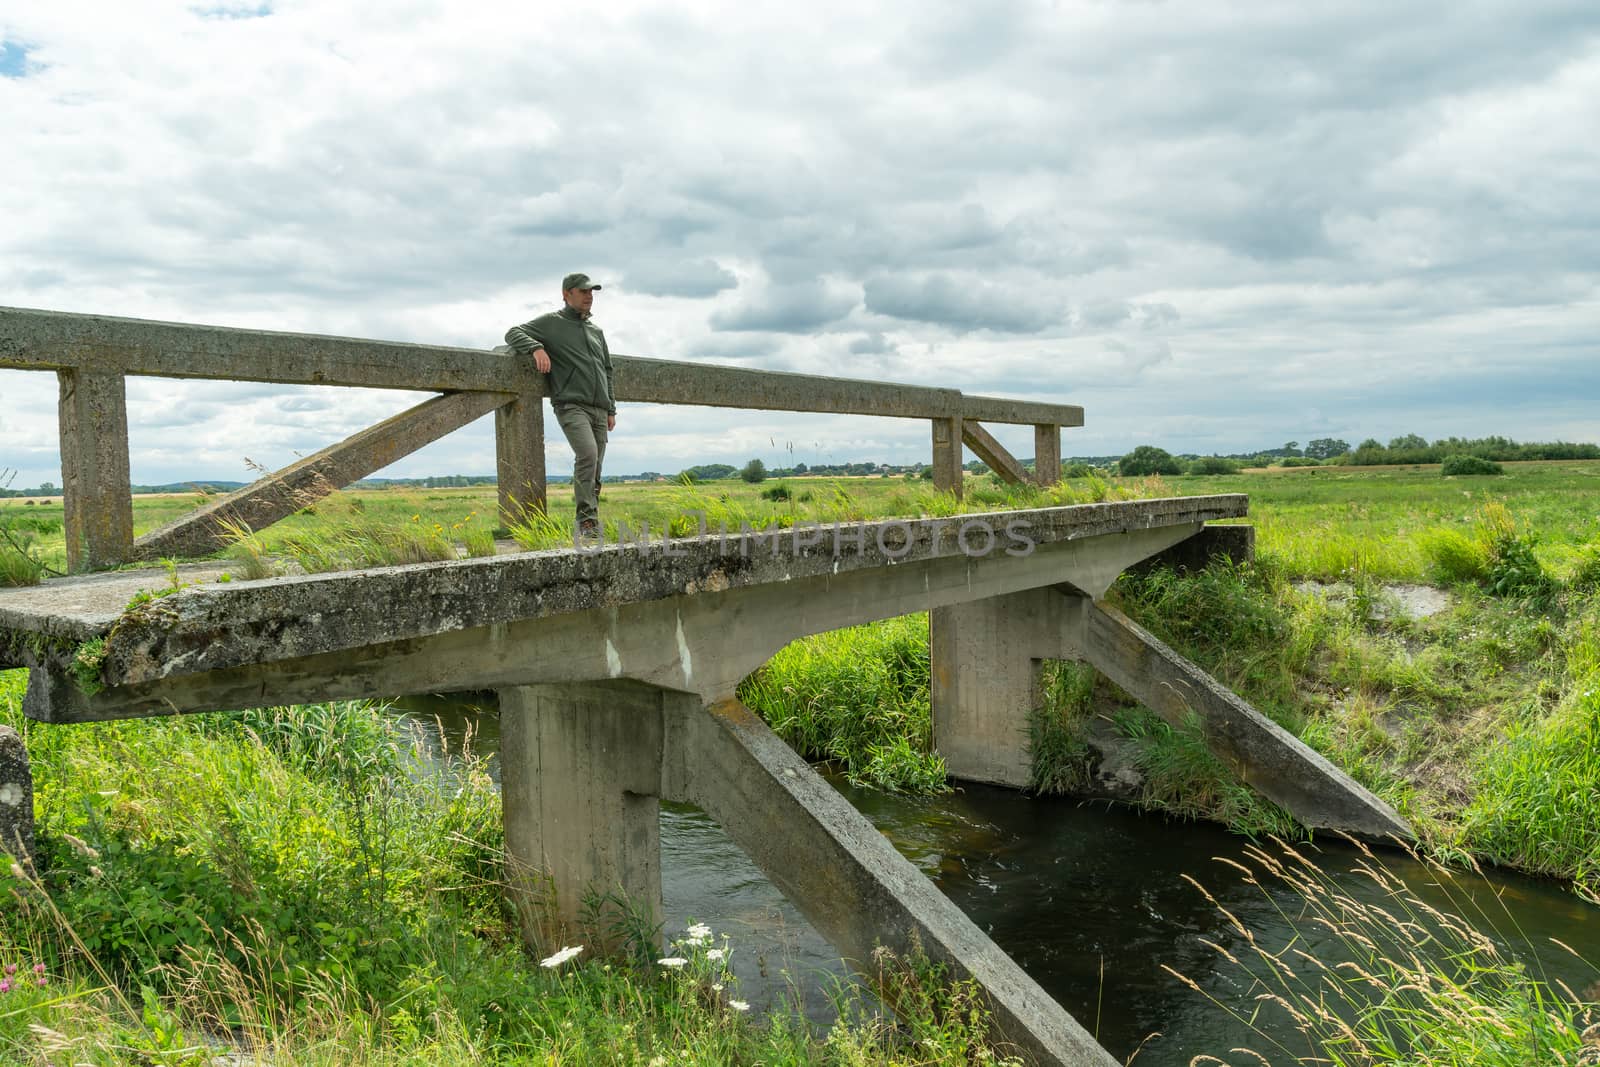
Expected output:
{"points": [[1090, 899]]}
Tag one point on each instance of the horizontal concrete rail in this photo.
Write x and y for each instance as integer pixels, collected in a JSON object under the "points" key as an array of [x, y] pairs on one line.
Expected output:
{"points": [[55, 340]]}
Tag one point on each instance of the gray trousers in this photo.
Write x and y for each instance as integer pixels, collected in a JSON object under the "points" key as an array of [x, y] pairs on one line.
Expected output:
{"points": [[585, 427]]}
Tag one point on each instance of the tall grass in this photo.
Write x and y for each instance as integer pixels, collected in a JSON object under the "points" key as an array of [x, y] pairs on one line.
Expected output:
{"points": [[1394, 984], [306, 886], [858, 698]]}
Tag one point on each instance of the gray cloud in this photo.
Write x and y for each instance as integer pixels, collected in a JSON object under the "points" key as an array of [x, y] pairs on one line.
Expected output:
{"points": [[670, 277], [1026, 203], [799, 307], [962, 304]]}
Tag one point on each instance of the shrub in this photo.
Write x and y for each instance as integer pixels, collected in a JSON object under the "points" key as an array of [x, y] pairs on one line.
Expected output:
{"points": [[754, 471], [1079, 469], [1455, 556], [1299, 461], [776, 492], [1457, 465], [1148, 459], [1214, 465]]}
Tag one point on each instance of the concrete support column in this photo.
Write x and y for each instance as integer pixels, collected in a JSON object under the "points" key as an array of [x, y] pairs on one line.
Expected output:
{"points": [[580, 772], [947, 455], [519, 456], [985, 663], [95, 488], [16, 798], [1047, 453]]}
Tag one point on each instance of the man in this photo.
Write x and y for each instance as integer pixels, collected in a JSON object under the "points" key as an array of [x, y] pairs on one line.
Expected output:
{"points": [[571, 350]]}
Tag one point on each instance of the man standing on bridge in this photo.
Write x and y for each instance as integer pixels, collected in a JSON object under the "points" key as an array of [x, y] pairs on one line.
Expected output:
{"points": [[568, 347]]}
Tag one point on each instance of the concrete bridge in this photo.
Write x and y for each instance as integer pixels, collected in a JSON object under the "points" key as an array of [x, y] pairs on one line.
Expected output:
{"points": [[617, 671]]}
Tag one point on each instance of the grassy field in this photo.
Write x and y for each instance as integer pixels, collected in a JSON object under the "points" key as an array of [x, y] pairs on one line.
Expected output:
{"points": [[330, 905]]}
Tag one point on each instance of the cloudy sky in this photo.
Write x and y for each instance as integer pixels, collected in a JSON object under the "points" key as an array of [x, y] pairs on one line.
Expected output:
{"points": [[1216, 226]]}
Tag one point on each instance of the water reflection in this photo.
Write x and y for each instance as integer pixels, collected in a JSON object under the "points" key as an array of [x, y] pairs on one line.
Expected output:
{"points": [[1089, 900]]}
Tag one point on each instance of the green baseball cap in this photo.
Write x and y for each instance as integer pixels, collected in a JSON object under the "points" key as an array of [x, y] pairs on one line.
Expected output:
{"points": [[577, 281]]}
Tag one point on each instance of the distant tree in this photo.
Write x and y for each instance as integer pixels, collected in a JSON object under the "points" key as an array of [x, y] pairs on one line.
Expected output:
{"points": [[47, 488], [754, 471], [799, 468], [1371, 444], [1410, 440], [1291, 448], [1327, 448], [1148, 459]]}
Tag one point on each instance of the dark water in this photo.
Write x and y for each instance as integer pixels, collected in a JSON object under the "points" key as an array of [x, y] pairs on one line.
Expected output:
{"points": [[1090, 900]]}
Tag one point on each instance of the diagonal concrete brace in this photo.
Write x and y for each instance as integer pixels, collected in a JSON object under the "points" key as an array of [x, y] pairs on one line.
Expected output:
{"points": [[1267, 757], [843, 874]]}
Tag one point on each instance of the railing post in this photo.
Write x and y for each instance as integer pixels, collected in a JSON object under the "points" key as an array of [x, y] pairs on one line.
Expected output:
{"points": [[519, 456], [95, 491], [1046, 453], [947, 455]]}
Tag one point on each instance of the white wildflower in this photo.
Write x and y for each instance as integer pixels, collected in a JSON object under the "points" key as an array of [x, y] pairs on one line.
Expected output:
{"points": [[739, 1005], [715, 953], [672, 961], [561, 957]]}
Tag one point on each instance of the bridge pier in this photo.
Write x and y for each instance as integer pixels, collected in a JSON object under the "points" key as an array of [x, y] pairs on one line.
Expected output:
{"points": [[986, 658], [583, 768], [580, 784]]}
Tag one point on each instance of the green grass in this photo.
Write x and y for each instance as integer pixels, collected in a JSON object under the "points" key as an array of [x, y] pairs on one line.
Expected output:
{"points": [[308, 886], [1392, 984]]}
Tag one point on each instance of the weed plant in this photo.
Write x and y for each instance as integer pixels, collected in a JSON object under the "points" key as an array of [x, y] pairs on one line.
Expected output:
{"points": [[305, 886], [1394, 984], [857, 698]]}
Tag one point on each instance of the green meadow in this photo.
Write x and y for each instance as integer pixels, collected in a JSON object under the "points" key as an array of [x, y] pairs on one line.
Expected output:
{"points": [[287, 884]]}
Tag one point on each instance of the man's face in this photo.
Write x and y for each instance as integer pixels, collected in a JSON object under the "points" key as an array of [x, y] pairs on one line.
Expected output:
{"points": [[580, 300]]}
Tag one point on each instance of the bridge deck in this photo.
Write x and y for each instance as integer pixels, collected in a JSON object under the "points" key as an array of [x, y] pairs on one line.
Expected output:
{"points": [[211, 626]]}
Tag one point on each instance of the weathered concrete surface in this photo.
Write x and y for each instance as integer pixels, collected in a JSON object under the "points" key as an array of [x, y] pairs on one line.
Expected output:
{"points": [[580, 773], [947, 474], [871, 571], [284, 492], [519, 458], [704, 641], [52, 340], [95, 489], [843, 874], [1047, 453], [985, 657], [16, 798], [1270, 759], [1234, 543], [992, 452]]}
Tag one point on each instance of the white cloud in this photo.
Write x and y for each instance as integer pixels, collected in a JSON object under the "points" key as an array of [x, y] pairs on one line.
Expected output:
{"points": [[1226, 221]]}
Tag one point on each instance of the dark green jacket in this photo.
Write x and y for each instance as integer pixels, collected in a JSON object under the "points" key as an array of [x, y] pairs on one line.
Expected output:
{"points": [[580, 362]]}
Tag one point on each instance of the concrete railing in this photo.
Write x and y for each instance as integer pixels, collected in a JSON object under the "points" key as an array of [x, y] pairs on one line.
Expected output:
{"points": [[92, 355]]}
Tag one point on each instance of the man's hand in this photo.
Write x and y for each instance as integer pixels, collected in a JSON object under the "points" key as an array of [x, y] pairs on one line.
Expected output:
{"points": [[611, 423], [541, 360]]}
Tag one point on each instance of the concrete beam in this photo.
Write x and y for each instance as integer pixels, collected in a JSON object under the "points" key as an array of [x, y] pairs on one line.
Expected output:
{"points": [[53, 340], [992, 452], [300, 484], [1020, 412], [1267, 757], [580, 774], [947, 476], [1236, 543], [95, 488], [679, 641], [844, 875], [1047, 454], [519, 458], [213, 627]]}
